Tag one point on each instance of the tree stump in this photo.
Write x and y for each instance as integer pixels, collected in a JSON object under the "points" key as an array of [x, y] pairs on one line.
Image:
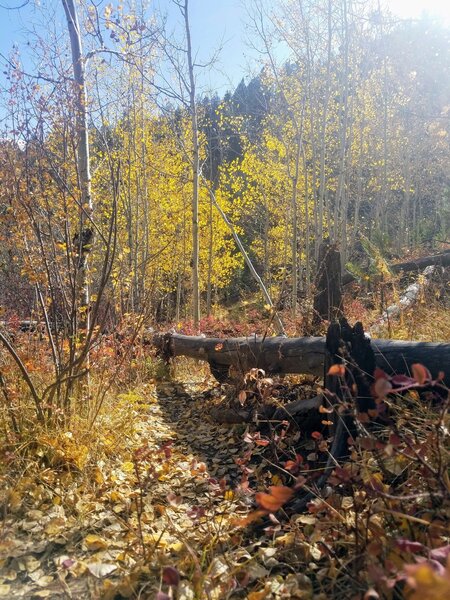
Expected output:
{"points": [[328, 297]]}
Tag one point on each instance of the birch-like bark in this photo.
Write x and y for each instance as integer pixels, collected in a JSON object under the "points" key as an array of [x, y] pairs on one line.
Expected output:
{"points": [[83, 240], [195, 170]]}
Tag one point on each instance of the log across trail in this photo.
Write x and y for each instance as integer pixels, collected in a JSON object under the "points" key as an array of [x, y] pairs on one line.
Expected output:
{"points": [[296, 355]]}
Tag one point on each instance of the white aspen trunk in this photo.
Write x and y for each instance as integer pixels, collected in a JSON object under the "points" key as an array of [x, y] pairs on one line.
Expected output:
{"points": [[195, 170], [294, 256], [340, 201], [322, 182], [84, 237]]}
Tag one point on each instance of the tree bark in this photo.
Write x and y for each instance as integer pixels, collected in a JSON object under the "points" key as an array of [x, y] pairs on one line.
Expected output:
{"points": [[327, 301], [295, 355], [84, 238], [195, 170], [442, 259]]}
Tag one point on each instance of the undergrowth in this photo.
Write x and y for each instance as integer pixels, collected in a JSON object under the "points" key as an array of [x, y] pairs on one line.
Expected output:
{"points": [[139, 494]]}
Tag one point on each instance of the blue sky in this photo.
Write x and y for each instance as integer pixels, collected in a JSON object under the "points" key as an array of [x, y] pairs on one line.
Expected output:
{"points": [[214, 23]]}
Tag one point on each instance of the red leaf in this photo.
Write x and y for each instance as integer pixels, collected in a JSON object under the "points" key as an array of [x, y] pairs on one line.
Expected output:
{"points": [[363, 417], [316, 435], [403, 380], [420, 373], [441, 553], [171, 576], [379, 374], [366, 443], [409, 545], [394, 439], [195, 512], [299, 482], [382, 387], [342, 474]]}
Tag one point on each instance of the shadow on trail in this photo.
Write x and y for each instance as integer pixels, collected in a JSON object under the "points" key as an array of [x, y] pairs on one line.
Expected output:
{"points": [[185, 411]]}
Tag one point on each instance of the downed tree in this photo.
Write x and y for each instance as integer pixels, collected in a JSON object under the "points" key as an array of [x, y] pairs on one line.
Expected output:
{"points": [[442, 259], [409, 297], [295, 355]]}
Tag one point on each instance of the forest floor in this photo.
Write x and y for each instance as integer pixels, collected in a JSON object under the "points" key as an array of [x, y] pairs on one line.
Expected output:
{"points": [[165, 494], [158, 500], [164, 512], [163, 497]]}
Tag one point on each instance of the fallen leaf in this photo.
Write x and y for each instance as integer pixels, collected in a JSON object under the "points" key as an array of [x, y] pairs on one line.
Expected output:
{"points": [[250, 518], [95, 542], [100, 569]]}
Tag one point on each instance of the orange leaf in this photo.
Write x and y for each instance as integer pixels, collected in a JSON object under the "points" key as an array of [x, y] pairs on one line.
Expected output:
{"points": [[281, 492], [218, 347], [338, 370], [268, 502], [242, 397], [253, 516], [279, 495], [420, 373]]}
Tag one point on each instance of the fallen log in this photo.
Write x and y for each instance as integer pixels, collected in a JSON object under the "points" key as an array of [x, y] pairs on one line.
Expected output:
{"points": [[409, 297], [295, 355], [442, 259]]}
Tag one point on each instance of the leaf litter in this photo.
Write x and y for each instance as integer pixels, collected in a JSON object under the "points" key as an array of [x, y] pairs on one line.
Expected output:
{"points": [[171, 507]]}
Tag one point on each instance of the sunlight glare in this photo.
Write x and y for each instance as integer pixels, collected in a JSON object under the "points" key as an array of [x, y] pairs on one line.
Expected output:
{"points": [[418, 8]]}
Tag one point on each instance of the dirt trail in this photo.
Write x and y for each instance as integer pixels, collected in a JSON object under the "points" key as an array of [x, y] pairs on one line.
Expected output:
{"points": [[112, 536]]}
